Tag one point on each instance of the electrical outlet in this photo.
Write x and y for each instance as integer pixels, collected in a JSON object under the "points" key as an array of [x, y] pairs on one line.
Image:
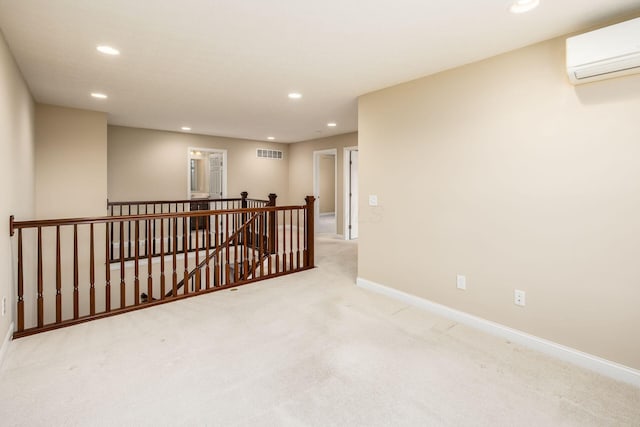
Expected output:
{"points": [[461, 282], [4, 305], [519, 297]]}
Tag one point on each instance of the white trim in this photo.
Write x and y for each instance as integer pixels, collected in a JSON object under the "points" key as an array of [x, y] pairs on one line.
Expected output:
{"points": [[346, 185], [594, 363], [5, 344]]}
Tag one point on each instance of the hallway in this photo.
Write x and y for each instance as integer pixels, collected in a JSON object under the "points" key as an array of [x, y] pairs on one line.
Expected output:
{"points": [[304, 349], [327, 224]]}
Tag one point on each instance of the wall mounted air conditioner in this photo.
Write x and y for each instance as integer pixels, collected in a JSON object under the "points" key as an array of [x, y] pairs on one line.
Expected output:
{"points": [[605, 53]]}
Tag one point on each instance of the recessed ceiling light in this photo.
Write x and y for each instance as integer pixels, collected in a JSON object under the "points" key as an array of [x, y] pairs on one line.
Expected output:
{"points": [[295, 95], [185, 128], [99, 95], [332, 125], [271, 138], [108, 50], [522, 6]]}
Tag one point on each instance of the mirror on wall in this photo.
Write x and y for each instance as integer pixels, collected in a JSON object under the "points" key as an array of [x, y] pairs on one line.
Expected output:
{"points": [[197, 178]]}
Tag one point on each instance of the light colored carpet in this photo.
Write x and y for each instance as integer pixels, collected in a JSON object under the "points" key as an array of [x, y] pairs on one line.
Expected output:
{"points": [[309, 349], [326, 224]]}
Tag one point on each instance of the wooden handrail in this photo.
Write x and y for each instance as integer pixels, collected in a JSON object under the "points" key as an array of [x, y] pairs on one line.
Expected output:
{"points": [[211, 256], [70, 280], [120, 209], [166, 202], [14, 225]]}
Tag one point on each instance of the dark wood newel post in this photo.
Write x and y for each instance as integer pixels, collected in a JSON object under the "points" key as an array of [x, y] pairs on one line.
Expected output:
{"points": [[244, 205], [310, 231], [272, 224]]}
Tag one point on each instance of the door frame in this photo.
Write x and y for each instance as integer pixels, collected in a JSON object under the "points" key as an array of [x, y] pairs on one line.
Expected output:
{"points": [[346, 158], [316, 182], [224, 167]]}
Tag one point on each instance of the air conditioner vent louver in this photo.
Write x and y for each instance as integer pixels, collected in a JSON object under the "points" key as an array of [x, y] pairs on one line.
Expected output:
{"points": [[605, 53], [265, 153]]}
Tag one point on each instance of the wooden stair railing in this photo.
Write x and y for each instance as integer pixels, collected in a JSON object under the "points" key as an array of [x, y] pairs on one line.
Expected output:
{"points": [[65, 275], [211, 256], [121, 235]]}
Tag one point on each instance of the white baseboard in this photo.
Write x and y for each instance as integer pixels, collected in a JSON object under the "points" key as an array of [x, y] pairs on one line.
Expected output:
{"points": [[602, 366], [5, 344]]}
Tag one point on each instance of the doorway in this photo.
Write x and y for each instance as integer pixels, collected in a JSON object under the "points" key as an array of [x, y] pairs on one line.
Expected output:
{"points": [[207, 173], [325, 190], [350, 193]]}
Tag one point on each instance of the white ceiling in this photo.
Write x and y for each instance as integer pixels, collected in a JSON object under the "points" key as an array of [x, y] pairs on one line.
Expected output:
{"points": [[225, 67]]}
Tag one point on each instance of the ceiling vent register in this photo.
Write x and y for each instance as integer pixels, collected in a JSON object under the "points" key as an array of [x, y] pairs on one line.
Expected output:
{"points": [[265, 153]]}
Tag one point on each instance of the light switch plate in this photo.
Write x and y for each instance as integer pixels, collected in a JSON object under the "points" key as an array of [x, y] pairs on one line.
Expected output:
{"points": [[373, 200]]}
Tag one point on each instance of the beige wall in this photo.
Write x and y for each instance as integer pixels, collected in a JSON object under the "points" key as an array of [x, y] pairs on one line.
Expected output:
{"points": [[70, 181], [504, 172], [152, 165], [71, 162], [301, 169], [16, 170], [327, 184]]}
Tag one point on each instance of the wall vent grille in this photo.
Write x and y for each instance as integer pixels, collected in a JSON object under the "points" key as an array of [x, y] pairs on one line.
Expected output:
{"points": [[265, 153]]}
